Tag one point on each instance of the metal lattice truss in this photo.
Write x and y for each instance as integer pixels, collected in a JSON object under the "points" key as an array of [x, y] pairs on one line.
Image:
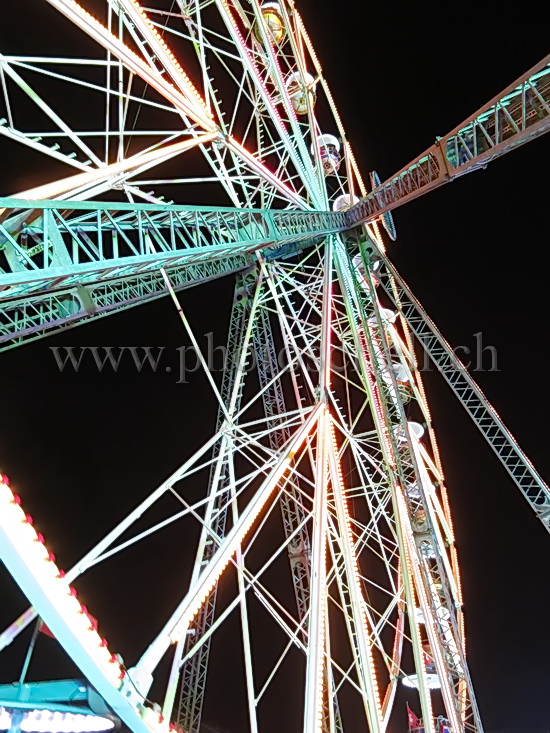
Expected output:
{"points": [[518, 114], [317, 511], [366, 529], [249, 140], [69, 267], [294, 454]]}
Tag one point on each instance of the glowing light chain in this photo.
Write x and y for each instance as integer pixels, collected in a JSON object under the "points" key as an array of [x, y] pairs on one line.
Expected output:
{"points": [[161, 47], [317, 660], [80, 180], [56, 721], [208, 586], [17, 528], [397, 649], [355, 572], [85, 20], [190, 606], [322, 635], [429, 622]]}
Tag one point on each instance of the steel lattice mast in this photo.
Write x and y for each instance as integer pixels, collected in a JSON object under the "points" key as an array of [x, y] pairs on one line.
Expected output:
{"points": [[321, 438]]}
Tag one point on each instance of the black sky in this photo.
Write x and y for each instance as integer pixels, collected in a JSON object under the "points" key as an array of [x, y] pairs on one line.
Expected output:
{"points": [[476, 254]]}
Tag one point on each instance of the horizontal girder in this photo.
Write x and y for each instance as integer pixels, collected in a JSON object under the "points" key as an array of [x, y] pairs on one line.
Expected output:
{"points": [[63, 262], [53, 244]]}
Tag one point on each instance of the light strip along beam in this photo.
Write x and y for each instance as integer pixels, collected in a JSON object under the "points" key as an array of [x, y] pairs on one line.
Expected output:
{"points": [[26, 558], [515, 116], [90, 25], [188, 608], [82, 181], [188, 104], [96, 242]]}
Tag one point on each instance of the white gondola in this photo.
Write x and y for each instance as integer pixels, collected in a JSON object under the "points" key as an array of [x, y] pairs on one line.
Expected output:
{"points": [[400, 372], [329, 152], [386, 315], [299, 89], [416, 429], [344, 202], [434, 683]]}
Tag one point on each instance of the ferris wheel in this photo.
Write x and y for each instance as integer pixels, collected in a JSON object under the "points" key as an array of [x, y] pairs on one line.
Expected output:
{"points": [[202, 140]]}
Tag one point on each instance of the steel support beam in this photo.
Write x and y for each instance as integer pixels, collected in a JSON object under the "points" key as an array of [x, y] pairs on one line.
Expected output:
{"points": [[27, 319], [194, 670], [517, 115], [47, 245]]}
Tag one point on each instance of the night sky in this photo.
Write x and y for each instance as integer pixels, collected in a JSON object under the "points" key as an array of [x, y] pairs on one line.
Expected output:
{"points": [[83, 448]]}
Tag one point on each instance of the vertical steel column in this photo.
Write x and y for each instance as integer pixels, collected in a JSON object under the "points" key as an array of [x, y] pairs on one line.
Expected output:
{"points": [[316, 662], [194, 670], [291, 505]]}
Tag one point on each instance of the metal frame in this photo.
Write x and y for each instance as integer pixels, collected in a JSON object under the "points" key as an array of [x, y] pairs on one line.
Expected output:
{"points": [[385, 569]]}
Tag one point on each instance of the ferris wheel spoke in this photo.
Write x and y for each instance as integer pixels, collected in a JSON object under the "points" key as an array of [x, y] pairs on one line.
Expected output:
{"points": [[39, 66], [251, 76], [165, 57], [183, 97], [150, 75], [365, 663], [250, 65], [182, 616], [276, 73], [79, 185], [50, 113]]}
